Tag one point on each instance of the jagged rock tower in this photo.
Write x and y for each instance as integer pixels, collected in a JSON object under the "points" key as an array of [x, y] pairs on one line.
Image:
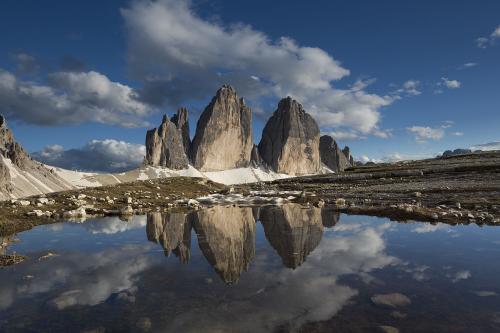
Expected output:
{"points": [[223, 138], [290, 140], [165, 144], [331, 155], [20, 175]]}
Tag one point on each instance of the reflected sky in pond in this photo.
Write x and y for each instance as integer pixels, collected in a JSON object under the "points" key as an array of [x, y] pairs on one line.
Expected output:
{"points": [[267, 269]]}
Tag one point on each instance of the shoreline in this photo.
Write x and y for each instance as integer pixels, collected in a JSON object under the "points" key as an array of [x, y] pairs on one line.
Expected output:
{"points": [[456, 190]]}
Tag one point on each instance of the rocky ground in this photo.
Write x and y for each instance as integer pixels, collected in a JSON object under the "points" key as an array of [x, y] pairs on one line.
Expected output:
{"points": [[123, 200], [457, 189]]}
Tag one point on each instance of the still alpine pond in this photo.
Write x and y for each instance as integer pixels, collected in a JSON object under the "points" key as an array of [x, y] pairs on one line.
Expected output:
{"points": [[284, 268]]}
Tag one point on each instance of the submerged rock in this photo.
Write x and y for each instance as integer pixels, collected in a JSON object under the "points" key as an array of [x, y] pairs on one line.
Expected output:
{"points": [[393, 300], [223, 138], [290, 140]]}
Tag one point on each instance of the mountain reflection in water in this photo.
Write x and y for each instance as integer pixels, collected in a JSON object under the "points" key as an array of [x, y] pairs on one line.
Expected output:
{"points": [[285, 268], [226, 234]]}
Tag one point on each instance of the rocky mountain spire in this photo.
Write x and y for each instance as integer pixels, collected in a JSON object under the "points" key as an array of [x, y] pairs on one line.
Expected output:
{"points": [[347, 153], [13, 158], [290, 140], [331, 155], [223, 138], [181, 120], [165, 147]]}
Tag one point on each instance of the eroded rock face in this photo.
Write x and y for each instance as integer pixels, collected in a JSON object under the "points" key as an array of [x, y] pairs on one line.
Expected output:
{"points": [[4, 178], [293, 231], [36, 177], [181, 120], [223, 138], [172, 231], [290, 140], [226, 236], [347, 153], [331, 155], [255, 157], [165, 147], [10, 149]]}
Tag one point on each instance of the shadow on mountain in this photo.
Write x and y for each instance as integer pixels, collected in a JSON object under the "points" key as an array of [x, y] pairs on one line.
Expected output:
{"points": [[293, 231], [172, 231], [226, 236]]}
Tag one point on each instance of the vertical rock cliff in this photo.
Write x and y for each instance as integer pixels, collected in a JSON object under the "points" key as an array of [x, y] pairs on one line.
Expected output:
{"points": [[290, 140], [331, 154], [223, 138], [347, 153], [165, 145], [180, 119], [20, 175]]}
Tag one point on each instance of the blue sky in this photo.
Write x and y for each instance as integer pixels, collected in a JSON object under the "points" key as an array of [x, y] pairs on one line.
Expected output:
{"points": [[397, 69]]}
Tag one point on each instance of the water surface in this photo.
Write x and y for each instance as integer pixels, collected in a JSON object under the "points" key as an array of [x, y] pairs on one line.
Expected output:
{"points": [[267, 269]]}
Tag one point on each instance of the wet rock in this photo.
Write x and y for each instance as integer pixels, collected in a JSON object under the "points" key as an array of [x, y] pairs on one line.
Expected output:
{"points": [[393, 300], [223, 138], [290, 140], [76, 213], [388, 329], [11, 259], [127, 211]]}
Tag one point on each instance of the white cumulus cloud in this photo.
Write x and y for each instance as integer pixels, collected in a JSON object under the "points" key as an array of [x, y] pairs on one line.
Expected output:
{"points": [[97, 155], [179, 56], [71, 98], [450, 84], [424, 133]]}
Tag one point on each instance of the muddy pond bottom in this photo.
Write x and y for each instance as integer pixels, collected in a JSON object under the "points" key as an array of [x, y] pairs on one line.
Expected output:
{"points": [[240, 269]]}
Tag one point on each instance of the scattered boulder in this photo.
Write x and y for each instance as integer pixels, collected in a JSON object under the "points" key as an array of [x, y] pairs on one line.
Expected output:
{"points": [[165, 147], [331, 154], [75, 213], [223, 138], [290, 140]]}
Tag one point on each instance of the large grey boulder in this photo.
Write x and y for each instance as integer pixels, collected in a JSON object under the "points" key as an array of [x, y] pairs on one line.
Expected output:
{"points": [[180, 119], [290, 140], [331, 154], [223, 138], [165, 147]]}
